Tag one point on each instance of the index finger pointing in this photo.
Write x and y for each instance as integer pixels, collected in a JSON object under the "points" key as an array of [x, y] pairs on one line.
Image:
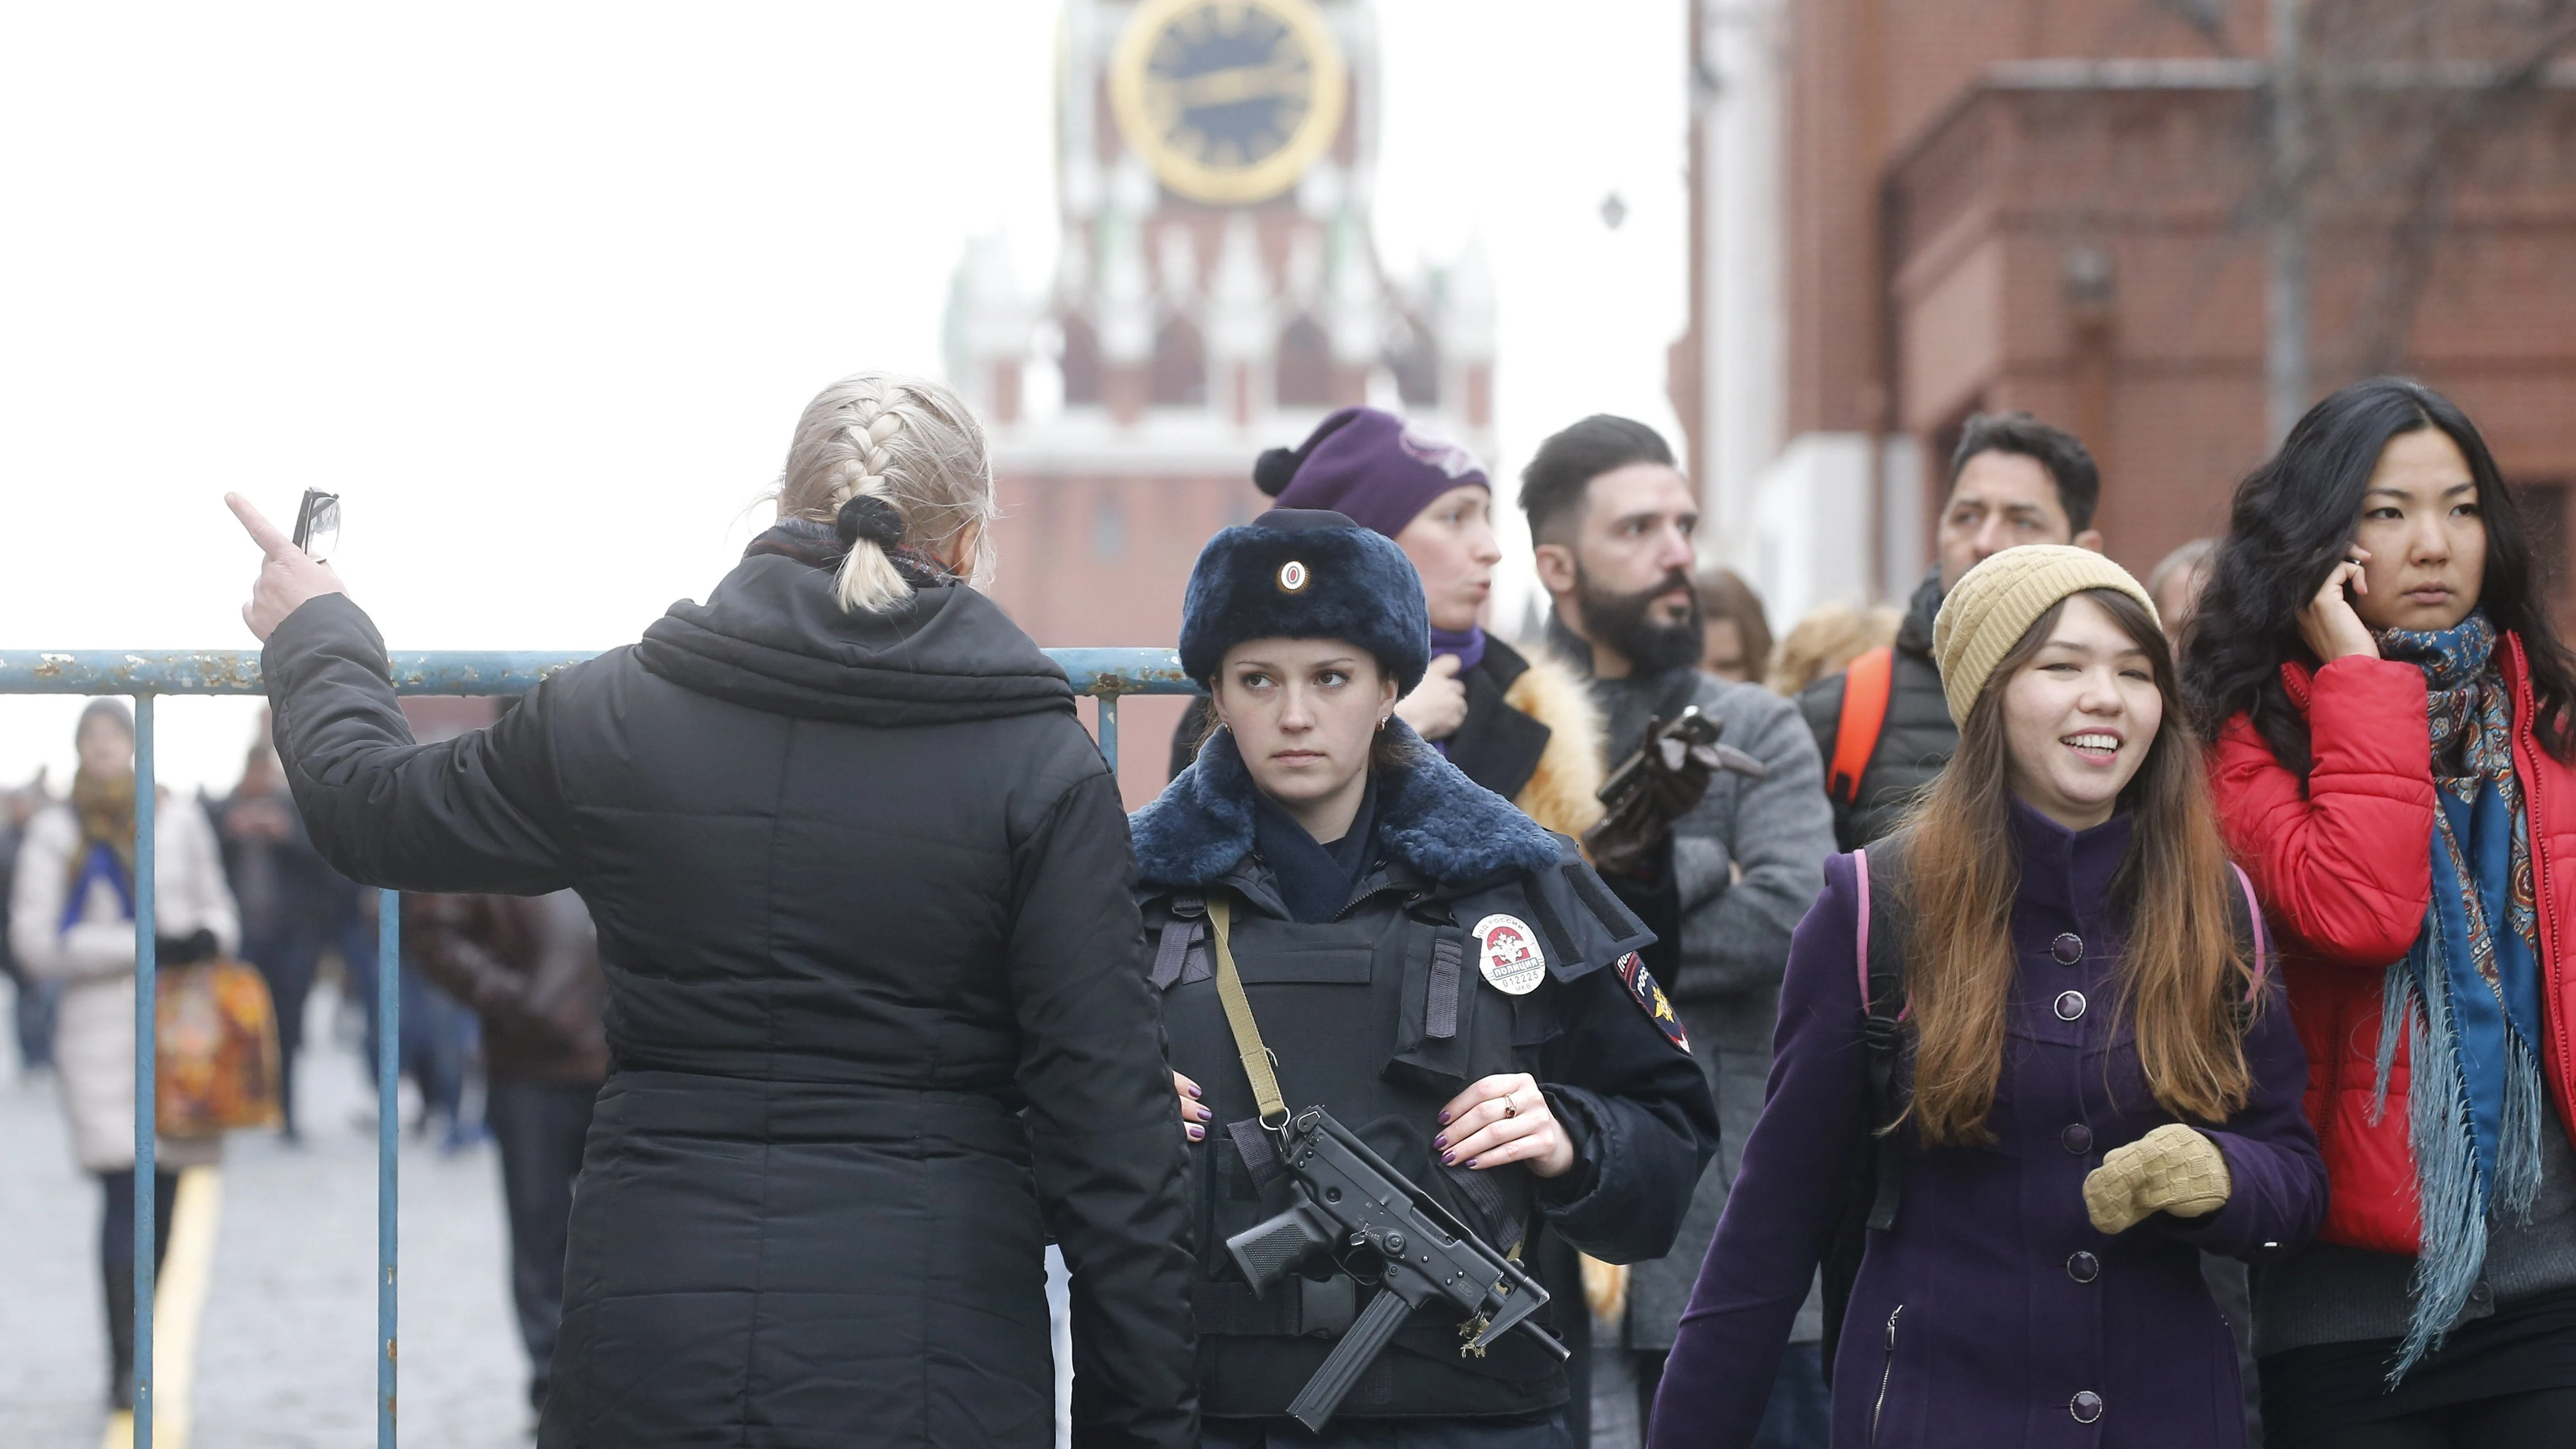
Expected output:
{"points": [[261, 531]]}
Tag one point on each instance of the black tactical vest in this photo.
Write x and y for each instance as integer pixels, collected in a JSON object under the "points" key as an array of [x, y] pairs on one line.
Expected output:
{"points": [[1383, 1016]]}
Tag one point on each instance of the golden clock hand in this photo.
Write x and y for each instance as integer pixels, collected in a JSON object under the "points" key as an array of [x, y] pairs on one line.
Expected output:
{"points": [[1237, 83]]}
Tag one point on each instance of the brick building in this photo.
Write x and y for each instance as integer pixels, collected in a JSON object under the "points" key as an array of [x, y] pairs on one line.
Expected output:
{"points": [[1904, 214], [1216, 292]]}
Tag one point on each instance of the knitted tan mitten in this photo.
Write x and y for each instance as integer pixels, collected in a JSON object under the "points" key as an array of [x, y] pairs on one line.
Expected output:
{"points": [[2172, 1169]]}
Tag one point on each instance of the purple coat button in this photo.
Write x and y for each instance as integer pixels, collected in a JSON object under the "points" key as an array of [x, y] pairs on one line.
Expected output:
{"points": [[2077, 1139], [2083, 1267], [2086, 1407], [2068, 948], [2070, 1005]]}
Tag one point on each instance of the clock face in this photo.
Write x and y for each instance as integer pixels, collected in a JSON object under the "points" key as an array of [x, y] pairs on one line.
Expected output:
{"points": [[1229, 100]]}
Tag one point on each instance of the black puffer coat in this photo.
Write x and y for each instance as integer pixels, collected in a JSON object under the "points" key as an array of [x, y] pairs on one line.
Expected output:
{"points": [[1913, 746], [876, 1000]]}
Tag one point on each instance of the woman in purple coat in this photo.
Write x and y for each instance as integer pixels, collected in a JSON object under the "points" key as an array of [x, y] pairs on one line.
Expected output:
{"points": [[2096, 1081]]}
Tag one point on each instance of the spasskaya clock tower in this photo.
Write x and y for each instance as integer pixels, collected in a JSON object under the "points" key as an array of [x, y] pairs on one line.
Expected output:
{"points": [[1216, 292]]}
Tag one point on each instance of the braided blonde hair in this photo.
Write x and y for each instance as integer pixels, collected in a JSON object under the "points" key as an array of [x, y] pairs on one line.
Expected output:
{"points": [[911, 442]]}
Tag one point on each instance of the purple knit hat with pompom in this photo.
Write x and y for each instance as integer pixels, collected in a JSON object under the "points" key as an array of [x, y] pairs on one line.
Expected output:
{"points": [[1371, 467]]}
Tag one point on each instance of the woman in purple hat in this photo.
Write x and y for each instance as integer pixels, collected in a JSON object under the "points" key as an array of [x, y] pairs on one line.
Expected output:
{"points": [[1521, 727]]}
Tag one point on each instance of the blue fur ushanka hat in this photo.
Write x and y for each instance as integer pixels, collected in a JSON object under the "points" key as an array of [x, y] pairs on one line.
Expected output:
{"points": [[1303, 573]]}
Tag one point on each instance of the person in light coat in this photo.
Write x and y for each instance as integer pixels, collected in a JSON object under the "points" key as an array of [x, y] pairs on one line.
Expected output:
{"points": [[71, 919]]}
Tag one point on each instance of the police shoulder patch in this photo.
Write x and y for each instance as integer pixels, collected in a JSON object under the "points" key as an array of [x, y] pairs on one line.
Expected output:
{"points": [[1650, 998]]}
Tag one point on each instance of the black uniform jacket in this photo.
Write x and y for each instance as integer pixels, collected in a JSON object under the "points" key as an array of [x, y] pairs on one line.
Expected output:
{"points": [[876, 1003], [1359, 1016], [1915, 743]]}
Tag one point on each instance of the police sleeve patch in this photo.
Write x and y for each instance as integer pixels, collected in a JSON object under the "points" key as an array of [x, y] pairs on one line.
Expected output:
{"points": [[1650, 999]]}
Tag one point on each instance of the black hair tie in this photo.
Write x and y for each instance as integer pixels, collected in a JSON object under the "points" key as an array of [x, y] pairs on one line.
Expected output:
{"points": [[870, 517]]}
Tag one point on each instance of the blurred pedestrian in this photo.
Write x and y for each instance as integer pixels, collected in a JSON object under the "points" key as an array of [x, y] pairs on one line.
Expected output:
{"points": [[291, 900], [1614, 521], [1736, 639], [1825, 641], [35, 1000], [71, 919], [2050, 988], [1520, 726], [876, 996], [2394, 720], [1879, 725], [2177, 582], [528, 967]]}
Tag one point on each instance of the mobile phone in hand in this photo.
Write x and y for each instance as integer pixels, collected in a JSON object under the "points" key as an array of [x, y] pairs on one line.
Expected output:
{"points": [[317, 524]]}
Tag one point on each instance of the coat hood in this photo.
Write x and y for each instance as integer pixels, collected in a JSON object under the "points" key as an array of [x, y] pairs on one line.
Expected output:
{"points": [[773, 637], [1432, 818]]}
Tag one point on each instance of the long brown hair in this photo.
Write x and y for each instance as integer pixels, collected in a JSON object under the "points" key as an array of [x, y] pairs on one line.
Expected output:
{"points": [[2182, 973]]}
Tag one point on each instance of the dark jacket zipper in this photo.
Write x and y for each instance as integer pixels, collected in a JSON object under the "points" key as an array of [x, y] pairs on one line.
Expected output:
{"points": [[1885, 1374]]}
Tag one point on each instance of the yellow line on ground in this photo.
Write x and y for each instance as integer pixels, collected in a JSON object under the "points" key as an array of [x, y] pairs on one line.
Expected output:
{"points": [[178, 1307]]}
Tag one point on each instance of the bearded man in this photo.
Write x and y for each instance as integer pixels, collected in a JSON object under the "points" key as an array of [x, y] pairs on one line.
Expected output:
{"points": [[1613, 520]]}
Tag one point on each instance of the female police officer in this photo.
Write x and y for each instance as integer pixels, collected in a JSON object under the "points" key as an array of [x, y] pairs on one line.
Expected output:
{"points": [[1442, 975]]}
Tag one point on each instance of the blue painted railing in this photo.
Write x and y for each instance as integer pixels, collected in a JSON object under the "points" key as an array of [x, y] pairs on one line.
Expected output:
{"points": [[1104, 674]]}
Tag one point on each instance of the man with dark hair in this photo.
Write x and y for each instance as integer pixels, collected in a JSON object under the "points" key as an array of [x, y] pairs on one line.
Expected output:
{"points": [[2013, 480], [1613, 520]]}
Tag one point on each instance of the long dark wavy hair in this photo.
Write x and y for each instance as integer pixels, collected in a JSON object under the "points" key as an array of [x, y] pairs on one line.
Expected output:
{"points": [[2293, 522], [2181, 974]]}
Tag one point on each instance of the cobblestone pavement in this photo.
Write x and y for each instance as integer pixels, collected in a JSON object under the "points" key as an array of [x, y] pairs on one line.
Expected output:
{"points": [[286, 1351]]}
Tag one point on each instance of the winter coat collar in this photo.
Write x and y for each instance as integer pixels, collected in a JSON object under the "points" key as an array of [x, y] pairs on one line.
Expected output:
{"points": [[773, 637], [2067, 869], [1914, 636], [1431, 820]]}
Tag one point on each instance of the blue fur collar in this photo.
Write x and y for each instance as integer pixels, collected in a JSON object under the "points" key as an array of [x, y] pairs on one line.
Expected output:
{"points": [[1432, 818]]}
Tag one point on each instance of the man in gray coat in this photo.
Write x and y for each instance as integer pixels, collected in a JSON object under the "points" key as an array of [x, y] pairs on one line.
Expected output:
{"points": [[1613, 518]]}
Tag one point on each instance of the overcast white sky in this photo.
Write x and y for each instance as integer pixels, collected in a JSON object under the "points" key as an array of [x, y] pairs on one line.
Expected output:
{"points": [[541, 288]]}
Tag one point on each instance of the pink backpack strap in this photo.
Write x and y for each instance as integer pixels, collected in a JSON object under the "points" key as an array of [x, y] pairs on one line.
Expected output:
{"points": [[2253, 908], [1860, 954]]}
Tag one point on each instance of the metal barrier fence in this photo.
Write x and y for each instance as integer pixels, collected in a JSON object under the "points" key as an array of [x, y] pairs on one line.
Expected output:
{"points": [[1104, 674]]}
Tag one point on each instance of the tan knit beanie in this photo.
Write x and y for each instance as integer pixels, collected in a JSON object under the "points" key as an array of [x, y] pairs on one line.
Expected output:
{"points": [[1987, 612]]}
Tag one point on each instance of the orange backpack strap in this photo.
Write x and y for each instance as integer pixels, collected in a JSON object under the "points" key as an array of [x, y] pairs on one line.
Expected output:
{"points": [[1866, 685]]}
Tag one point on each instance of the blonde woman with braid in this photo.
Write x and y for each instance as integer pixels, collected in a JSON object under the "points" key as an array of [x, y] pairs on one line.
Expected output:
{"points": [[877, 1005]]}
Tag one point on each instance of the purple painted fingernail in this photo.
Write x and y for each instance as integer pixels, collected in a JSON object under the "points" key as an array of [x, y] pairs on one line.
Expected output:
{"points": [[1471, 1161], [1197, 1132], [1450, 1159], [1194, 1089], [1439, 1142], [1444, 1119]]}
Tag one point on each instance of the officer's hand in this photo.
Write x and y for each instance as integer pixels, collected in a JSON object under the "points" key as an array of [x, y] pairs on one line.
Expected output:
{"points": [[288, 576], [1193, 1112], [1438, 705], [1504, 1119]]}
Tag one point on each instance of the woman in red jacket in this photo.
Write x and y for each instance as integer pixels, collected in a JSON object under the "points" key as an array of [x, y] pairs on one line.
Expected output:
{"points": [[2393, 720]]}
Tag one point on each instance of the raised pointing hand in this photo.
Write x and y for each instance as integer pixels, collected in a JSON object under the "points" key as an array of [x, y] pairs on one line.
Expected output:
{"points": [[288, 576]]}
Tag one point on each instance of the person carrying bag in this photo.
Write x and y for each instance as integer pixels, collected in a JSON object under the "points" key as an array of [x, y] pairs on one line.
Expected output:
{"points": [[1399, 1009], [2083, 1081]]}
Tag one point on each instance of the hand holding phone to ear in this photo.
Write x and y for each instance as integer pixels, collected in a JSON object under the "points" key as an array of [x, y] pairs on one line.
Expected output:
{"points": [[2329, 625]]}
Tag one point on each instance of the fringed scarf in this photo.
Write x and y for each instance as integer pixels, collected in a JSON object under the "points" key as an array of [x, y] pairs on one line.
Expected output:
{"points": [[2468, 993], [105, 855]]}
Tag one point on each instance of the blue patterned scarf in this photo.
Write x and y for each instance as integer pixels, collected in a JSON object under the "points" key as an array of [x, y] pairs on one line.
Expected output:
{"points": [[2468, 992]]}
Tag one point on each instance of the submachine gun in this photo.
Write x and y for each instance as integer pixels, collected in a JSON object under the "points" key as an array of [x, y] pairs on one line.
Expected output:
{"points": [[1350, 1203]]}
